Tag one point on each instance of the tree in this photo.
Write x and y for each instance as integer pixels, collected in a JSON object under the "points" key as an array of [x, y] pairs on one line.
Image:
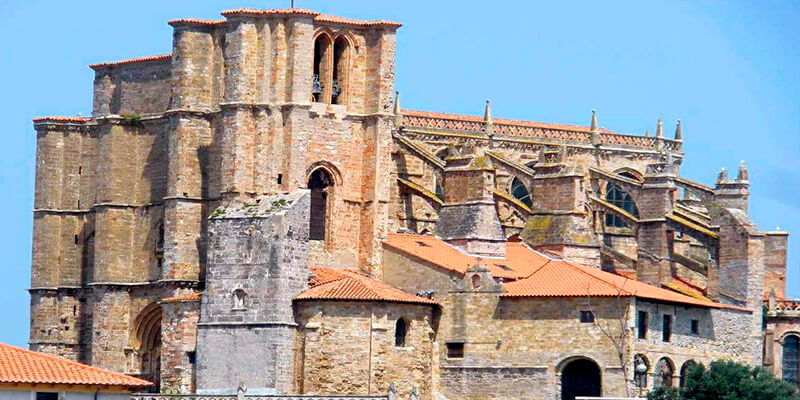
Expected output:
{"points": [[727, 380]]}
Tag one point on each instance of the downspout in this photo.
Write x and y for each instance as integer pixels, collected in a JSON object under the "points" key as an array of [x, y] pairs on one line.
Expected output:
{"points": [[96, 392]]}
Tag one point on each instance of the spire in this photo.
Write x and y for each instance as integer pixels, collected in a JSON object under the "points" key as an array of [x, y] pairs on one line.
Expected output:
{"points": [[647, 133], [678, 131], [743, 175], [398, 116], [487, 118], [660, 129], [723, 176], [594, 121]]}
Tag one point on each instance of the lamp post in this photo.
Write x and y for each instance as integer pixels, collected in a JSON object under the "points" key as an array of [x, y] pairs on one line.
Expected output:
{"points": [[640, 369]]}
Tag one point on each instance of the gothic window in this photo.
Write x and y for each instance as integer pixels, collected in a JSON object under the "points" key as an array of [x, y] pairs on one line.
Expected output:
{"points": [[620, 198], [789, 361], [319, 86], [400, 330], [520, 192], [319, 183], [239, 299], [664, 372], [685, 371], [340, 56]]}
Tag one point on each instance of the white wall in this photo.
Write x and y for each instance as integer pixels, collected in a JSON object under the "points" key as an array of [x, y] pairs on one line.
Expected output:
{"points": [[31, 395]]}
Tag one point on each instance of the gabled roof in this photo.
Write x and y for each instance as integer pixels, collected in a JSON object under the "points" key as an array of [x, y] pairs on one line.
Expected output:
{"points": [[520, 261], [349, 284], [536, 275], [18, 366]]}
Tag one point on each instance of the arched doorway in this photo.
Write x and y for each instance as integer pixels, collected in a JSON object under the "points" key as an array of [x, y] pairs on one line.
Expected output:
{"points": [[580, 377], [319, 182], [147, 330]]}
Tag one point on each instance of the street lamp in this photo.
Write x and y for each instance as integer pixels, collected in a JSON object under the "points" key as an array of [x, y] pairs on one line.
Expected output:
{"points": [[640, 373]]}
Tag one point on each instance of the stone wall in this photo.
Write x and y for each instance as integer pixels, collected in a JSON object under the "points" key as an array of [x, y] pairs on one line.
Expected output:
{"points": [[137, 88], [349, 348], [178, 345], [258, 261]]}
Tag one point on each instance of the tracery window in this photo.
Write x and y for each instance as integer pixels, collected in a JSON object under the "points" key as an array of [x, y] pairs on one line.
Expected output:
{"points": [[620, 198], [520, 192], [789, 361]]}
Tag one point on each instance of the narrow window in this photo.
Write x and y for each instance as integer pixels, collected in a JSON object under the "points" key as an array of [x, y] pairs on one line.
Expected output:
{"points": [[319, 83], [280, 178], [46, 396], [76, 239], [695, 327], [319, 183], [789, 361], [400, 329], [455, 350], [587, 317], [520, 192], [80, 169], [191, 356], [340, 51], [642, 325], [160, 237], [666, 329]]}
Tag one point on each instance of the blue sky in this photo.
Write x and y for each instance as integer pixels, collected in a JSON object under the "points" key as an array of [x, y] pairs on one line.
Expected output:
{"points": [[730, 70]]}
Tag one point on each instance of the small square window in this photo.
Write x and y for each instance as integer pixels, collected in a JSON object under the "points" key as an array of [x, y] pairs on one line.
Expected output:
{"points": [[455, 350], [46, 396], [695, 327], [642, 325], [192, 356], [587, 317]]}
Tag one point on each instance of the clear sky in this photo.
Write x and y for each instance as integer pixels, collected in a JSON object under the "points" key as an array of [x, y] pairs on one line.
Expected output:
{"points": [[729, 69]]}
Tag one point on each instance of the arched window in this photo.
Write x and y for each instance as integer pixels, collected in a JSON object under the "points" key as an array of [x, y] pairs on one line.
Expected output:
{"points": [[476, 281], [320, 90], [319, 182], [685, 371], [340, 56], [620, 198], [664, 371], [400, 330], [520, 192], [640, 368], [789, 370], [239, 299]]}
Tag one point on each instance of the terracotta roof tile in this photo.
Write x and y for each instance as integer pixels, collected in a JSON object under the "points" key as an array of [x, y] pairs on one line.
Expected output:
{"points": [[538, 275], [24, 366], [350, 284], [183, 297], [62, 119], [196, 21], [520, 262], [318, 17], [109, 64]]}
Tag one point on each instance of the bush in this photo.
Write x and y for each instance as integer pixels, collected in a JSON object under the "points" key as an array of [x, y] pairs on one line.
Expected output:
{"points": [[726, 380]]}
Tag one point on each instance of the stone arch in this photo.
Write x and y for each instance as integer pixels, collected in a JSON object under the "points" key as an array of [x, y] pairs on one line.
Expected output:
{"points": [[580, 376], [146, 344], [790, 358], [685, 372], [321, 181], [640, 378], [663, 372], [630, 173], [321, 69], [342, 50], [520, 191], [239, 299]]}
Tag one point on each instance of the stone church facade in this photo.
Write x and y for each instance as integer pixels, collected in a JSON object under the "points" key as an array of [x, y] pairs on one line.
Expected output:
{"points": [[256, 208]]}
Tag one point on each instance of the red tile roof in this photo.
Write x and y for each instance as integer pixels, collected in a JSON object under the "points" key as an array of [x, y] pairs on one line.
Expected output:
{"points": [[318, 17], [159, 57], [473, 118], [183, 297], [195, 21], [520, 262], [24, 366], [350, 284], [537, 275], [62, 119]]}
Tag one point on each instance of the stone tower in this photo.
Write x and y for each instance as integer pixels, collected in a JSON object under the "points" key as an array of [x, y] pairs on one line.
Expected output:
{"points": [[257, 262]]}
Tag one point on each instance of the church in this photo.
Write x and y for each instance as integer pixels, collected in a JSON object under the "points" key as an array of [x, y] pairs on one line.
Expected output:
{"points": [[257, 209]]}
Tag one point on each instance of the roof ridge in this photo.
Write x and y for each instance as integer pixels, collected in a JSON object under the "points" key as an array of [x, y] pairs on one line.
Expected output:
{"points": [[75, 363]]}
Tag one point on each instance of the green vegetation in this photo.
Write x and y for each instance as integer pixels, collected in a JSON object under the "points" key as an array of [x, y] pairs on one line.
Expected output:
{"points": [[132, 120], [726, 380]]}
